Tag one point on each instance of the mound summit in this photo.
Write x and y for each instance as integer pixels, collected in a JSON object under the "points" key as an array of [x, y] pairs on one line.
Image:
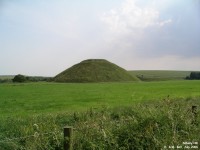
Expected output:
{"points": [[94, 70]]}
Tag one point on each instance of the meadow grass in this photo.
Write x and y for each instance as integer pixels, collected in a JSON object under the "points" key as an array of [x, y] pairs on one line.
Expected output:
{"points": [[145, 125], [38, 98], [126, 116]]}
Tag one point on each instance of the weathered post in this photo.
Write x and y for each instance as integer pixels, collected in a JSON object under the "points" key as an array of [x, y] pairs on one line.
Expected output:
{"points": [[194, 113], [68, 133], [194, 110]]}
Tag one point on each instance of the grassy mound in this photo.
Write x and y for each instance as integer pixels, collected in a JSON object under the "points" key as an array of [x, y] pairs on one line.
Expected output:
{"points": [[94, 70]]}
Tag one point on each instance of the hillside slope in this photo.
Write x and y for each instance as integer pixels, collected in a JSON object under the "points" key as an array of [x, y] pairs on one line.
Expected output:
{"points": [[95, 70], [160, 75]]}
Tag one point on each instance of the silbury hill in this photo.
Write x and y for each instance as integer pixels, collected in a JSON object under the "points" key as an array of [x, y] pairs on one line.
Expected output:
{"points": [[95, 70]]}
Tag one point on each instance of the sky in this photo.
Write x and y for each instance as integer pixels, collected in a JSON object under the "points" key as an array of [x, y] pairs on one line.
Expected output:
{"points": [[45, 37]]}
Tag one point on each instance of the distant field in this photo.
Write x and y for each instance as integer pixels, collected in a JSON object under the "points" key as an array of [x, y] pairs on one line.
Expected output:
{"points": [[148, 75], [36, 98], [160, 75], [3, 77]]}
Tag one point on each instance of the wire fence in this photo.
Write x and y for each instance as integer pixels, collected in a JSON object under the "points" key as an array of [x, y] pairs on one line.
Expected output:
{"points": [[67, 137], [35, 135]]}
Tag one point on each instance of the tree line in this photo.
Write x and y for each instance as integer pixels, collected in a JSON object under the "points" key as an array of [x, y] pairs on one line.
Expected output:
{"points": [[194, 76], [22, 78]]}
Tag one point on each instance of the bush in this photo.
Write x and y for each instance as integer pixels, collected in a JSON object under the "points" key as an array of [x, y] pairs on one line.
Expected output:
{"points": [[22, 78], [19, 78], [194, 76]]}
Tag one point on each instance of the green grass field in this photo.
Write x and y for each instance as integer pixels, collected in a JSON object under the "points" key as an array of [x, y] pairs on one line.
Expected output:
{"points": [[36, 98], [129, 115]]}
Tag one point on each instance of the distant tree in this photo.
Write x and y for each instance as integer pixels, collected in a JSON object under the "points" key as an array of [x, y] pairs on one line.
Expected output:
{"points": [[19, 78], [187, 78], [194, 76]]}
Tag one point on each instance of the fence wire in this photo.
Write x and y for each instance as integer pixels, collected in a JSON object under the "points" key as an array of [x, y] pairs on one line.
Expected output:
{"points": [[35, 135]]}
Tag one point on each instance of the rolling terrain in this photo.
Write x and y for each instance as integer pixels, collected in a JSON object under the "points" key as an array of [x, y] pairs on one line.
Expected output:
{"points": [[160, 75], [3, 77]]}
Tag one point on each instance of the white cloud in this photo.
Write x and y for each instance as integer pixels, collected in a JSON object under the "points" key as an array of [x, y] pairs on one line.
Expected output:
{"points": [[143, 36], [131, 17], [137, 34], [131, 28]]}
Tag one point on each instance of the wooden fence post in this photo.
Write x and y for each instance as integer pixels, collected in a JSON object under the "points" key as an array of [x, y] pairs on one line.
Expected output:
{"points": [[194, 112], [68, 133], [194, 109]]}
